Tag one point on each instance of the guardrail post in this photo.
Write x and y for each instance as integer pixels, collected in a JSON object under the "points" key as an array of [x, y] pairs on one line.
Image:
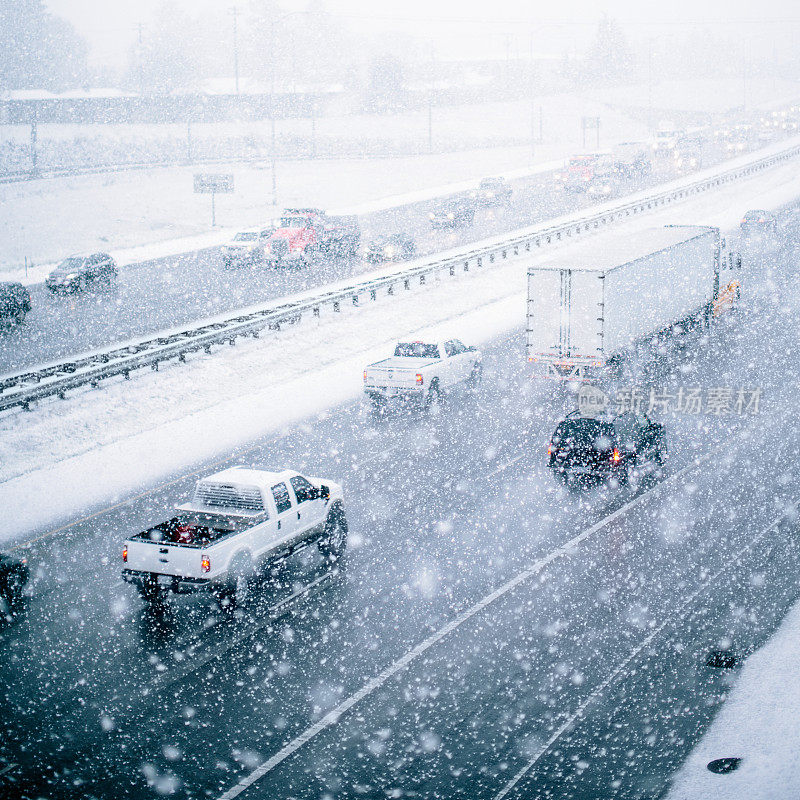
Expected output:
{"points": [[336, 306], [406, 283]]}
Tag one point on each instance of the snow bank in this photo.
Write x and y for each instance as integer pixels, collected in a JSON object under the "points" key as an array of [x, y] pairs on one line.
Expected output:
{"points": [[759, 723]]}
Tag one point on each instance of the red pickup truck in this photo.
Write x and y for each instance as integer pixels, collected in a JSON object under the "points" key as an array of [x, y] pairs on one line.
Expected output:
{"points": [[306, 234]]}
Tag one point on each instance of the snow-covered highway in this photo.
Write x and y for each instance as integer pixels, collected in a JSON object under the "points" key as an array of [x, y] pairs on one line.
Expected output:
{"points": [[586, 677]]}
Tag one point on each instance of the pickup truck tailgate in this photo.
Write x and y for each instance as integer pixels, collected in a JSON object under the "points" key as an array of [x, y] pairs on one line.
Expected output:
{"points": [[391, 378], [397, 372], [165, 559]]}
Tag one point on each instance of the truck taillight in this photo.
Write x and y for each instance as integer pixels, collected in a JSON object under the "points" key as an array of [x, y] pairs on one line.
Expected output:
{"points": [[550, 449], [365, 376], [419, 379], [615, 456], [125, 554], [205, 564]]}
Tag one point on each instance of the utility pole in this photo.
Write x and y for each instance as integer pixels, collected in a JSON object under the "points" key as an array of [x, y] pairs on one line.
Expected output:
{"points": [[141, 62], [530, 91], [650, 84], [744, 75], [235, 12], [272, 112]]}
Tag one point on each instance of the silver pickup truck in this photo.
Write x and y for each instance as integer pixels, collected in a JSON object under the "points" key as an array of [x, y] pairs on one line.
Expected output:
{"points": [[421, 372], [238, 522]]}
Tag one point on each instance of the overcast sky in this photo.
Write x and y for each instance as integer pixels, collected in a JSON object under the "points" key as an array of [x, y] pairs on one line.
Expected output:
{"points": [[464, 26]]}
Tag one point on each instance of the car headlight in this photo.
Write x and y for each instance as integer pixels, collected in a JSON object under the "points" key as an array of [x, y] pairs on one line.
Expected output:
{"points": [[388, 251], [451, 215], [431, 215], [71, 276], [490, 194]]}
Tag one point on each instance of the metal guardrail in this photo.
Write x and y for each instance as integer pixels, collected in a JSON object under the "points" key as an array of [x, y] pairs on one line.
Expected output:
{"points": [[25, 388]]}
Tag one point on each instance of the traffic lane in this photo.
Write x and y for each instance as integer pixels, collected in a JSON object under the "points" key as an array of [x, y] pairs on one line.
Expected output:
{"points": [[735, 615], [694, 505], [157, 295], [495, 551], [463, 717], [392, 563], [300, 708]]}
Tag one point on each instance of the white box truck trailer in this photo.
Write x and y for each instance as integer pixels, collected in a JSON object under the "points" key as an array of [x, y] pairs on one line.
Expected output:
{"points": [[591, 305]]}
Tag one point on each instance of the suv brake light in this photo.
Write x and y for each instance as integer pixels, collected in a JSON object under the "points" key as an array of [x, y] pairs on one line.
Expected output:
{"points": [[125, 554], [365, 376], [615, 456], [205, 564], [419, 379]]}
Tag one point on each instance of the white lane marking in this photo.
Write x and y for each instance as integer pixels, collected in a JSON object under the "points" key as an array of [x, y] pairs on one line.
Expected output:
{"points": [[635, 652], [505, 466], [7, 769], [332, 717]]}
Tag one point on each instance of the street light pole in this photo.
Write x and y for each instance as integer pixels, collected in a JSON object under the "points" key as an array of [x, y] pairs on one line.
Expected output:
{"points": [[273, 158], [235, 12]]}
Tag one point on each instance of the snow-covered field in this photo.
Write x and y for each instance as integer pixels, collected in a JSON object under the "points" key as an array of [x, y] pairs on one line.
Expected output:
{"points": [[759, 723], [136, 433]]}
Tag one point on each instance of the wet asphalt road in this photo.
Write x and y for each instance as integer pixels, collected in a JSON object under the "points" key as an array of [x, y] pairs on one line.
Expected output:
{"points": [[586, 679], [168, 292]]}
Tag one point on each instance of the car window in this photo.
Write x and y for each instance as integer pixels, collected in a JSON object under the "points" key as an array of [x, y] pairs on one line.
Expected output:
{"points": [[625, 427], [283, 501], [416, 350], [450, 349], [302, 488], [459, 346]]}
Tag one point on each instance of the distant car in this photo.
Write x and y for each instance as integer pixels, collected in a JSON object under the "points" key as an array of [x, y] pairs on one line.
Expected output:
{"points": [[15, 302], [586, 449], [394, 247], [492, 192], [601, 186], [454, 213], [688, 161], [246, 248], [758, 223], [13, 577], [77, 273]]}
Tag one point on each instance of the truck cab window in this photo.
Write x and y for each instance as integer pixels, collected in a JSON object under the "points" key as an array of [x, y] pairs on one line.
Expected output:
{"points": [[303, 490], [282, 500]]}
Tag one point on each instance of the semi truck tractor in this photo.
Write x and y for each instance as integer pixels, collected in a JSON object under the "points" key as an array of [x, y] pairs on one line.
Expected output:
{"points": [[591, 306]]}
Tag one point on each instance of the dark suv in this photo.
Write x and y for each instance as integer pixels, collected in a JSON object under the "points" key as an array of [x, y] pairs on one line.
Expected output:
{"points": [[76, 273], [588, 448], [15, 302]]}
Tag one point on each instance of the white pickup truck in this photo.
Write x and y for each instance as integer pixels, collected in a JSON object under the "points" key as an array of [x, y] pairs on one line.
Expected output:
{"points": [[239, 521], [421, 372]]}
